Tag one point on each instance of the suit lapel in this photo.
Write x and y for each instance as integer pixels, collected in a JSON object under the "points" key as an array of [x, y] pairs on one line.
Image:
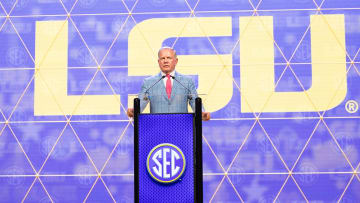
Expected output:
{"points": [[163, 88], [175, 87]]}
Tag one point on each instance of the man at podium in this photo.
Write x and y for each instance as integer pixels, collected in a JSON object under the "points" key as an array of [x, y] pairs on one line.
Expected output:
{"points": [[168, 91]]}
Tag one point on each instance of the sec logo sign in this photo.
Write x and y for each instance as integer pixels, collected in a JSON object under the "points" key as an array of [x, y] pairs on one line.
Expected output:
{"points": [[166, 163]]}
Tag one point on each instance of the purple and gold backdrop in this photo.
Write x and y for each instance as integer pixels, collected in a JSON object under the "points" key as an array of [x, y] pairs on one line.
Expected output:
{"points": [[280, 78]]}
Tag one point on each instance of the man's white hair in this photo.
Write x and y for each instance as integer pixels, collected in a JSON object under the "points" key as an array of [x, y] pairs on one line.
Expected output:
{"points": [[162, 48]]}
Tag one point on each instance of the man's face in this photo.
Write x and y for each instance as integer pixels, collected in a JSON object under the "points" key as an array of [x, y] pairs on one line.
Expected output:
{"points": [[167, 60]]}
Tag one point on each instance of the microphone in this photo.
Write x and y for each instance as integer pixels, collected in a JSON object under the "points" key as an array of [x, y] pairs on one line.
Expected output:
{"points": [[189, 95], [147, 90]]}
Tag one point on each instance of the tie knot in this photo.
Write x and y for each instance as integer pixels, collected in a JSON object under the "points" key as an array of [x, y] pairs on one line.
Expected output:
{"points": [[168, 76]]}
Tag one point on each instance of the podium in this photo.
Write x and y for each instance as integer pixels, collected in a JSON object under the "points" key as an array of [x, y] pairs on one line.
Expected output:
{"points": [[168, 156]]}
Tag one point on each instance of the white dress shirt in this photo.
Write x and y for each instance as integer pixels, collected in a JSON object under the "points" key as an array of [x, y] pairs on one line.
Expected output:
{"points": [[165, 79]]}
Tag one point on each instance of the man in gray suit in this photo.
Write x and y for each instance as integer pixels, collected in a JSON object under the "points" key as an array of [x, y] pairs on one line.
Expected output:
{"points": [[168, 91]]}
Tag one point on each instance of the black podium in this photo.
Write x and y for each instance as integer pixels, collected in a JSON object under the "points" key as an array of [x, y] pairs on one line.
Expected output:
{"points": [[168, 156]]}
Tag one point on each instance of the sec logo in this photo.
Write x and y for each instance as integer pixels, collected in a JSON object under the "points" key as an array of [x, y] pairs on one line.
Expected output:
{"points": [[166, 163]]}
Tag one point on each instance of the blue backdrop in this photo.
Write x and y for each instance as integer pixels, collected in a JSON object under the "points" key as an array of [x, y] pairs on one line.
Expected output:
{"points": [[77, 145]]}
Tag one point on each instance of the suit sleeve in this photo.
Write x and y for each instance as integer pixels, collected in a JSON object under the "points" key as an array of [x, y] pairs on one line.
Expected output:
{"points": [[143, 97]]}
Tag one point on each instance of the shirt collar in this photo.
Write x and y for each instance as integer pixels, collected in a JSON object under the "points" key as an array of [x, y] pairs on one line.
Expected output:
{"points": [[172, 73]]}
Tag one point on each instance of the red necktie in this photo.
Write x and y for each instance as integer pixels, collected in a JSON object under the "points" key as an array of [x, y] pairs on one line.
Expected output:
{"points": [[168, 86]]}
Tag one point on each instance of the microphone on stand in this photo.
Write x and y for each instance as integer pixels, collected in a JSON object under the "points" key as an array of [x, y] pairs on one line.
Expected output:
{"points": [[189, 92], [147, 90]]}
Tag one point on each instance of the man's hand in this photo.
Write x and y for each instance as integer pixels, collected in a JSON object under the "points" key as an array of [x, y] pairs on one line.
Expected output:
{"points": [[130, 112], [205, 116]]}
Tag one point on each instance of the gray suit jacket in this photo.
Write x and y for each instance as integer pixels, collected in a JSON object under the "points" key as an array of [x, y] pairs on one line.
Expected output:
{"points": [[159, 102]]}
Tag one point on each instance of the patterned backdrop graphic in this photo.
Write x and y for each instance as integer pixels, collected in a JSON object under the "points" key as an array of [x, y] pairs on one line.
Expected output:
{"points": [[280, 77]]}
